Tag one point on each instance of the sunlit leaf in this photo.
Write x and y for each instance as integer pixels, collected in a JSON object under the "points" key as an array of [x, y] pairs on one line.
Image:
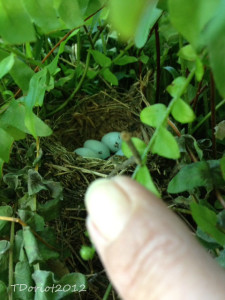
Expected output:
{"points": [[199, 72], [153, 115], [182, 112], [16, 27], [190, 17], [6, 65], [139, 145], [147, 21], [44, 14], [176, 86], [165, 145], [143, 176], [13, 121], [125, 15], [69, 11], [187, 52]]}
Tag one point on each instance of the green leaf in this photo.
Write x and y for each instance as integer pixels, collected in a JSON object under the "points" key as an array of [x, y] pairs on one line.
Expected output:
{"points": [[31, 246], [23, 280], [21, 73], [176, 86], [182, 112], [44, 14], [191, 176], [138, 144], [206, 219], [143, 176], [92, 6], [147, 21], [6, 142], [110, 77], [5, 211], [70, 13], [50, 210], [15, 24], [35, 221], [153, 115], [101, 59], [48, 235], [13, 116], [37, 89], [199, 72], [188, 53], [1, 166], [190, 18], [40, 128], [216, 37], [35, 182], [126, 15], [12, 120], [4, 260], [3, 290], [186, 140], [220, 131], [125, 60], [222, 166], [216, 174], [4, 246], [12, 180], [172, 71], [70, 283], [221, 258], [6, 65], [165, 144], [144, 59]]}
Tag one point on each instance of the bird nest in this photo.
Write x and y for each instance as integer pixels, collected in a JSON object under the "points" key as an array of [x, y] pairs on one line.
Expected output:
{"points": [[91, 118]]}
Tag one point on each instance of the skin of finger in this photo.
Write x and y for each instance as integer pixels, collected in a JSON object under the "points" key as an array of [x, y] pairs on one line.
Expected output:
{"points": [[156, 256]]}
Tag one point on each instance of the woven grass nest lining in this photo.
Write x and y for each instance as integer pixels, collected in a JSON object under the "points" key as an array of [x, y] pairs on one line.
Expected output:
{"points": [[90, 118], [93, 116]]}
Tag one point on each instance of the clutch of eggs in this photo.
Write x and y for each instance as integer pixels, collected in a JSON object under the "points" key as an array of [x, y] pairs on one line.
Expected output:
{"points": [[96, 149]]}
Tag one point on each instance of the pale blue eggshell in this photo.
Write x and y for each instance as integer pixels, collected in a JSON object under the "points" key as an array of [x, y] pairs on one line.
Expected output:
{"points": [[112, 140], [119, 153], [86, 152], [101, 149]]}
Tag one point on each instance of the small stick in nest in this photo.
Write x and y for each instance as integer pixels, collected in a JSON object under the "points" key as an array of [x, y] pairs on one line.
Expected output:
{"points": [[126, 137]]}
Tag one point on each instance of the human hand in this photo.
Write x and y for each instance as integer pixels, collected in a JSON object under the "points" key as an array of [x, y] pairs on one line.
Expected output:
{"points": [[147, 251]]}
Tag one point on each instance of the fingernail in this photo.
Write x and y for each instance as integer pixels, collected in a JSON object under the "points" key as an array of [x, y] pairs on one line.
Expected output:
{"points": [[108, 206]]}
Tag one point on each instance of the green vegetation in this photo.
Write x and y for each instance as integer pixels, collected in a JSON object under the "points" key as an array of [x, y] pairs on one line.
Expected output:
{"points": [[54, 56]]}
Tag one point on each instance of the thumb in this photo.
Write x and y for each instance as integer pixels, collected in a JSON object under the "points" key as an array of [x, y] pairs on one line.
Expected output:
{"points": [[147, 251]]}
